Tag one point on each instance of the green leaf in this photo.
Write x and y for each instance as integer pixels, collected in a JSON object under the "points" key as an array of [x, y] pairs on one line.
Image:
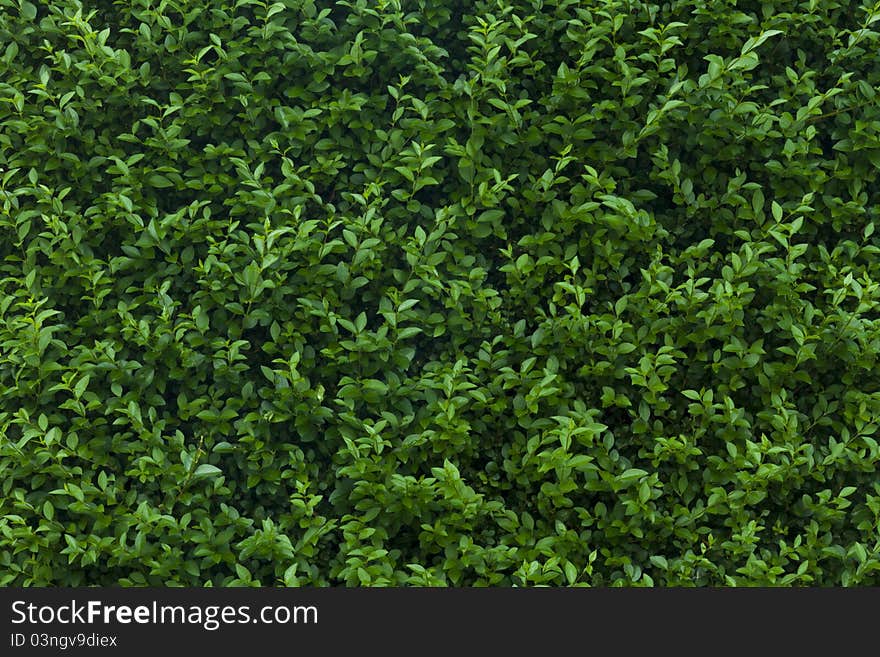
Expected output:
{"points": [[207, 470], [777, 211], [159, 181], [659, 561], [28, 10], [630, 475], [81, 386]]}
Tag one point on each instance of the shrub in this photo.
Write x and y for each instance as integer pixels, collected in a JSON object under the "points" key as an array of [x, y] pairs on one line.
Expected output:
{"points": [[411, 292]]}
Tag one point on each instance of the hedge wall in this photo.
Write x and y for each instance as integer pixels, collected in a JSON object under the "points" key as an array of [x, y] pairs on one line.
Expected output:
{"points": [[427, 292]]}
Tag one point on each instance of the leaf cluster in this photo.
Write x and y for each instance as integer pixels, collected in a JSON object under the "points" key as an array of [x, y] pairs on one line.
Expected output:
{"points": [[422, 292]]}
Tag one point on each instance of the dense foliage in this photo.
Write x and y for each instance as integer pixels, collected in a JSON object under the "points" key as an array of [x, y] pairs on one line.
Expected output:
{"points": [[434, 292]]}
